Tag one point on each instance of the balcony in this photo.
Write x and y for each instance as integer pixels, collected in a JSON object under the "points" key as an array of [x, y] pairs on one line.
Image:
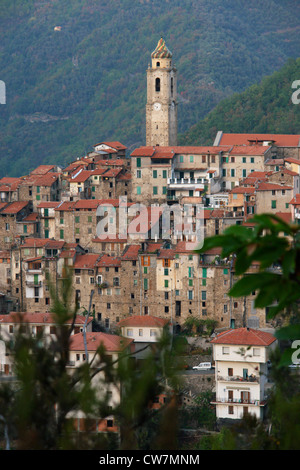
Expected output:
{"points": [[238, 378], [33, 284], [189, 183], [237, 401]]}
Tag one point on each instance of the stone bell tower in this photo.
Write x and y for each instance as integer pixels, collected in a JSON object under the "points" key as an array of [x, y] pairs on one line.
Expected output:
{"points": [[161, 107]]}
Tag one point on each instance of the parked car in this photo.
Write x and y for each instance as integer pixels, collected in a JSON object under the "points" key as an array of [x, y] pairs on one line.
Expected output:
{"points": [[203, 366]]}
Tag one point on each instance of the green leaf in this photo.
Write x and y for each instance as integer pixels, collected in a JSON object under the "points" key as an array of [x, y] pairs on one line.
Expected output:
{"points": [[252, 282]]}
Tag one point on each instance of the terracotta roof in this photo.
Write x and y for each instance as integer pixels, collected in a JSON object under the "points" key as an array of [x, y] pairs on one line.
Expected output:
{"points": [[81, 177], [249, 150], [111, 343], [40, 242], [186, 247], [295, 200], [40, 180], [86, 261], [149, 151], [285, 216], [245, 337], [14, 207], [243, 190], [167, 253], [272, 187], [131, 252], [31, 217], [107, 260], [112, 173], [45, 318], [110, 239], [42, 169], [144, 320], [292, 160], [114, 144], [281, 140], [66, 206], [110, 162], [49, 204]]}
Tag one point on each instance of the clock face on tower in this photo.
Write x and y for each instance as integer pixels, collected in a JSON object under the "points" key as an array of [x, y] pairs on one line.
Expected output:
{"points": [[156, 106]]}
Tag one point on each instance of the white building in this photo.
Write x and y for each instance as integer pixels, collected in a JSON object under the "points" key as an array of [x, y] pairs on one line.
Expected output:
{"points": [[35, 323], [144, 330], [241, 366], [90, 349]]}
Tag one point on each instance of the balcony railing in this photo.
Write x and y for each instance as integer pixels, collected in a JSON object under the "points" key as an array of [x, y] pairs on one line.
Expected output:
{"points": [[237, 401], [33, 284], [238, 378], [186, 181]]}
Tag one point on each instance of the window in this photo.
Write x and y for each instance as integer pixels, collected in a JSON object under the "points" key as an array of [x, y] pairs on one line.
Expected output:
{"points": [[190, 295], [154, 190], [225, 350], [181, 159], [154, 174], [138, 174], [203, 295], [256, 352], [140, 332], [191, 158], [61, 234], [230, 410], [166, 283], [145, 260], [232, 173], [138, 162], [224, 173], [129, 332], [157, 84], [244, 159], [166, 271], [165, 174], [138, 190], [244, 173], [252, 159], [273, 204]]}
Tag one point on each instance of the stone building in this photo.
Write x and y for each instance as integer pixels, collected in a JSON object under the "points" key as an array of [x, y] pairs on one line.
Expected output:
{"points": [[40, 188], [11, 214], [161, 107]]}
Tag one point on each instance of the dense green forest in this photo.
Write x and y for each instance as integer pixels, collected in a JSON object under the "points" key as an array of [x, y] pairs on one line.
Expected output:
{"points": [[70, 87], [271, 106]]}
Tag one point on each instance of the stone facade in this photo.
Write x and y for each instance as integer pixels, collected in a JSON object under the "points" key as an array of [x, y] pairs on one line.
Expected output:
{"points": [[161, 107]]}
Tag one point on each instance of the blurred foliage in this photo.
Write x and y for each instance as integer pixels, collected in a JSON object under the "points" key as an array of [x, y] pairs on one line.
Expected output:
{"points": [[273, 247], [35, 408], [68, 89]]}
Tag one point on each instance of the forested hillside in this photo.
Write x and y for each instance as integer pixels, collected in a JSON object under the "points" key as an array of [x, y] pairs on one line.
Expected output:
{"points": [[267, 107], [75, 72]]}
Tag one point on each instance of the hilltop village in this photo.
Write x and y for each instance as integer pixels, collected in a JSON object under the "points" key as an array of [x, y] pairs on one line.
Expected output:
{"points": [[50, 222]]}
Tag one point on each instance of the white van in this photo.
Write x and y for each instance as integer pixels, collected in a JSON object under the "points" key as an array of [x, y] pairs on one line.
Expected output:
{"points": [[203, 366]]}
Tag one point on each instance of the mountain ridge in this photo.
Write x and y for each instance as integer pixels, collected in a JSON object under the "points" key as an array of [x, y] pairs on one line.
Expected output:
{"points": [[93, 68]]}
